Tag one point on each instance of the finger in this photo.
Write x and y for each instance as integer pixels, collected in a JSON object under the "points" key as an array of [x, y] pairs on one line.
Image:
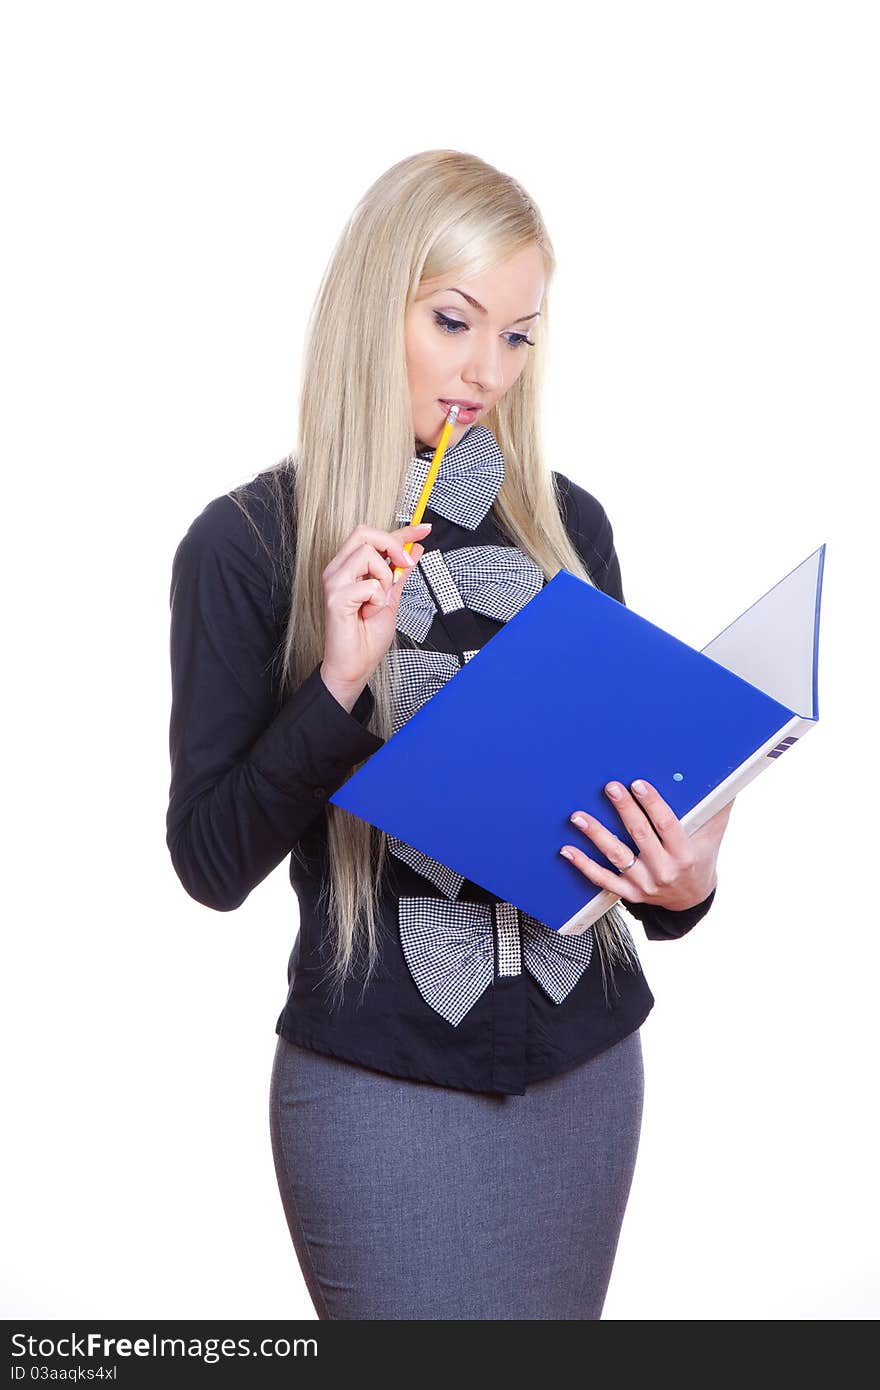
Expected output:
{"points": [[673, 836], [648, 850], [378, 594], [403, 533], [408, 536], [364, 593], [613, 848], [353, 560], [383, 542], [364, 563], [652, 823], [720, 818], [394, 593], [391, 596], [603, 878], [713, 831]]}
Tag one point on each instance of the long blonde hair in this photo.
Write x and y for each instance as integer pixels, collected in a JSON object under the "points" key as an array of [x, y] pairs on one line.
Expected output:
{"points": [[438, 212]]}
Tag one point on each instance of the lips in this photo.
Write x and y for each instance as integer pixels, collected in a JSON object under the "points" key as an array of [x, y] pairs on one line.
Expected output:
{"points": [[466, 407]]}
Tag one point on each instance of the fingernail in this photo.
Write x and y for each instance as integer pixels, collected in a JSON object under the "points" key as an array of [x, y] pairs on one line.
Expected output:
{"points": [[639, 787], [567, 853], [613, 790], [579, 821]]}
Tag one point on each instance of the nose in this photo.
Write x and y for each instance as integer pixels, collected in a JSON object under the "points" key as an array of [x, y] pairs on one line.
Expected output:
{"points": [[483, 368]]}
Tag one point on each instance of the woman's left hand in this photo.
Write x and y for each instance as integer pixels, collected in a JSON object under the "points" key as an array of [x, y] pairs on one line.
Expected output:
{"points": [[672, 869]]}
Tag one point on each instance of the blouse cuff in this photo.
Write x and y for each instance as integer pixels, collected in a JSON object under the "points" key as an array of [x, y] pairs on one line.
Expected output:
{"points": [[313, 744], [664, 923]]}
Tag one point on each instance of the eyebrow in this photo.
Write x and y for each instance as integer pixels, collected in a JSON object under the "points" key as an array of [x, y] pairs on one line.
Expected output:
{"points": [[479, 306]]}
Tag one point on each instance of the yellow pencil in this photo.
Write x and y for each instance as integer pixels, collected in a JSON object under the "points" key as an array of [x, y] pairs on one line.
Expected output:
{"points": [[429, 481]]}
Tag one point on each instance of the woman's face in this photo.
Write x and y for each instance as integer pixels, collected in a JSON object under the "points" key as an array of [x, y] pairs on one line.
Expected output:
{"points": [[470, 345]]}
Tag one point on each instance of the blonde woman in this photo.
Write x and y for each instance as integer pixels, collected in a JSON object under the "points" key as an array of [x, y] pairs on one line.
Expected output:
{"points": [[456, 1096]]}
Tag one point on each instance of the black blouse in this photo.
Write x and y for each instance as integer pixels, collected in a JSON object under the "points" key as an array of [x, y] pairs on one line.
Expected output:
{"points": [[249, 783]]}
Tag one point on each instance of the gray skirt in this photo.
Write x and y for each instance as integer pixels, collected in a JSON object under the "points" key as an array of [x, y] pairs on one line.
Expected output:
{"points": [[408, 1200]]}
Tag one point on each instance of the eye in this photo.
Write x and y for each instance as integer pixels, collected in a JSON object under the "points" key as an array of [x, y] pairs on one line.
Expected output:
{"points": [[448, 325]]}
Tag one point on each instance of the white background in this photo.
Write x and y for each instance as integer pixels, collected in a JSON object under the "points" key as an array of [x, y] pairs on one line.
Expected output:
{"points": [[175, 177]]}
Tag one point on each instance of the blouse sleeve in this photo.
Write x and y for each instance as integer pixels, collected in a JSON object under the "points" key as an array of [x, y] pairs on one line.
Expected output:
{"points": [[591, 528], [247, 779]]}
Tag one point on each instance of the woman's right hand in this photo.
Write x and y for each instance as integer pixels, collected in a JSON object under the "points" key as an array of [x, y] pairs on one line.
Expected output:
{"points": [[361, 602]]}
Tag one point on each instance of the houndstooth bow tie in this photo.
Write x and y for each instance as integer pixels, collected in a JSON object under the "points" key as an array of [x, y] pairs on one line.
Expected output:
{"points": [[467, 483], [450, 952]]}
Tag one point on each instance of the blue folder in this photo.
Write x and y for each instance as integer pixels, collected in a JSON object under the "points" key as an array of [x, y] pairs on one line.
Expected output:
{"points": [[577, 689]]}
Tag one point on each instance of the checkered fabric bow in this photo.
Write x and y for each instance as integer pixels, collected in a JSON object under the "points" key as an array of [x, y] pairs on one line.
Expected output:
{"points": [[450, 952], [467, 482], [496, 580]]}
